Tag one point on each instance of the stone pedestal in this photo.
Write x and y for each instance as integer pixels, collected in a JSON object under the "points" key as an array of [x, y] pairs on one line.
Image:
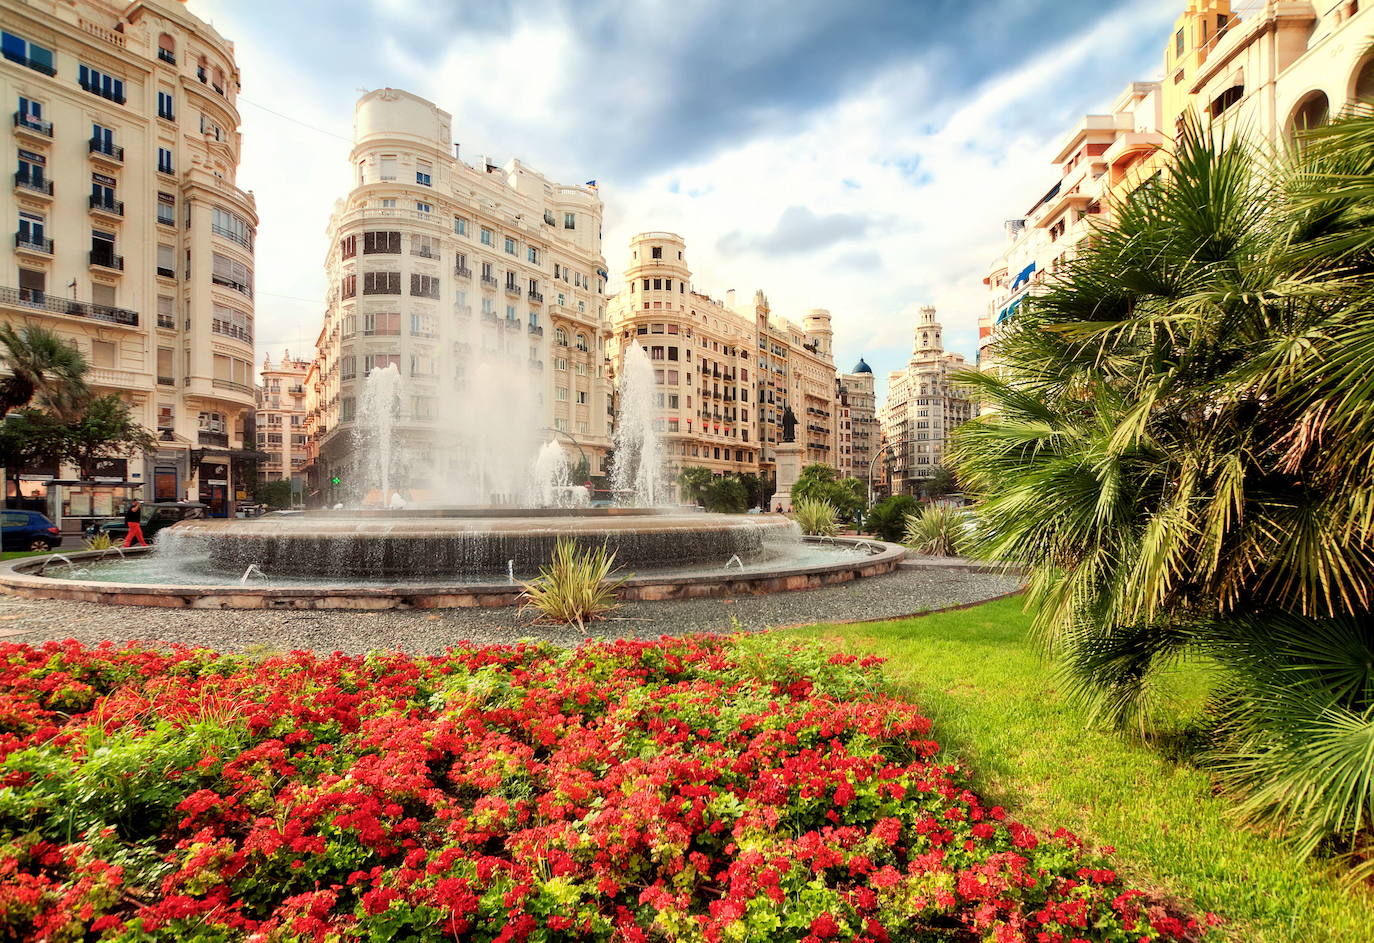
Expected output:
{"points": [[789, 466]]}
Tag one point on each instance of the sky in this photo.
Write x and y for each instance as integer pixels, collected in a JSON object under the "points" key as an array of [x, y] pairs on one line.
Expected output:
{"points": [[858, 156]]}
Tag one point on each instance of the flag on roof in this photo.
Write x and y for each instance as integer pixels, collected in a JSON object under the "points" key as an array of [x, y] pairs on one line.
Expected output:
{"points": [[591, 183]]}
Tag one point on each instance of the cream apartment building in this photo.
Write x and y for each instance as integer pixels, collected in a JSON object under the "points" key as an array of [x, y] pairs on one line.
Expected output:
{"points": [[727, 371], [130, 236], [281, 420], [923, 406], [484, 287], [1265, 70], [856, 426]]}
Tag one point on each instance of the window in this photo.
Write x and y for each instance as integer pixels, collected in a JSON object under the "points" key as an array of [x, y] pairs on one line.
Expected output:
{"points": [[510, 246], [582, 397], [533, 255], [166, 209], [560, 337], [423, 170], [1178, 43], [424, 207], [166, 312], [31, 173], [582, 342], [349, 287], [581, 369], [422, 407], [387, 324], [165, 108], [102, 84], [164, 160], [231, 226], [382, 283], [104, 353], [388, 204], [347, 408], [561, 394], [422, 325], [380, 362], [103, 250], [488, 237], [231, 273], [348, 247], [20, 50], [460, 225], [166, 261], [381, 243], [103, 193], [348, 367], [232, 323], [424, 286], [388, 166], [569, 220], [167, 49], [656, 252], [426, 247]]}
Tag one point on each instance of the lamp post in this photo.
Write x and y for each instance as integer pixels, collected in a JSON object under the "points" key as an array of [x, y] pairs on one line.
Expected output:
{"points": [[881, 449]]}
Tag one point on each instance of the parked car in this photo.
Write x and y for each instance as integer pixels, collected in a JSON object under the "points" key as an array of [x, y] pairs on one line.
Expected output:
{"points": [[156, 516], [29, 530]]}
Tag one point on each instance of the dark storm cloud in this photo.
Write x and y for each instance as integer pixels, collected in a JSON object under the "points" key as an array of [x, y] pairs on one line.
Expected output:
{"points": [[798, 230]]}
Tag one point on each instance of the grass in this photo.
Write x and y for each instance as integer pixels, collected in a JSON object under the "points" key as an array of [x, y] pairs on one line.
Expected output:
{"points": [[16, 554], [998, 707]]}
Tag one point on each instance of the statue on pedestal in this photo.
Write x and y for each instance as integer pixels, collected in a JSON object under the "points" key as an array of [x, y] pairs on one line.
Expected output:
{"points": [[789, 425]]}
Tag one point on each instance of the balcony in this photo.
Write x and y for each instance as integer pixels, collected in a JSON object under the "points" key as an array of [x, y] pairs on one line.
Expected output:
{"points": [[33, 184], [536, 330], [167, 322], [489, 281], [231, 385], [31, 63], [25, 242], [106, 93], [512, 324], [462, 271], [536, 365], [104, 207], [513, 290], [220, 439], [103, 258], [536, 298], [29, 125], [489, 316], [42, 301], [109, 153]]}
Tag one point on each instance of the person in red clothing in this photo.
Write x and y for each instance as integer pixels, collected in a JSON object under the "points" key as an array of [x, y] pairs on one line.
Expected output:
{"points": [[133, 518]]}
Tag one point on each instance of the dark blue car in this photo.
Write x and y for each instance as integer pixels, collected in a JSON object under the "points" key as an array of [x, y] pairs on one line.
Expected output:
{"points": [[29, 530]]}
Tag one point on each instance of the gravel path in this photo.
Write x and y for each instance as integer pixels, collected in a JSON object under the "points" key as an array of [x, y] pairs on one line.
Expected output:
{"points": [[912, 589]]}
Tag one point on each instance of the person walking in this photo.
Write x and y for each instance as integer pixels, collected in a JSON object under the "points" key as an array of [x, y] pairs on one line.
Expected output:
{"points": [[133, 519]]}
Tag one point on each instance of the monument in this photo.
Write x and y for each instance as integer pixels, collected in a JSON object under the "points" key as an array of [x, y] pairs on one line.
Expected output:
{"points": [[789, 462]]}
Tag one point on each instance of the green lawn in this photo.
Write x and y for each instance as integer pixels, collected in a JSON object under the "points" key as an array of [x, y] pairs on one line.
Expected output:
{"points": [[16, 554], [999, 708]]}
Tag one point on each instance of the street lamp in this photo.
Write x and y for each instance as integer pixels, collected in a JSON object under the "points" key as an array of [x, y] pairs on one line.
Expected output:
{"points": [[881, 449]]}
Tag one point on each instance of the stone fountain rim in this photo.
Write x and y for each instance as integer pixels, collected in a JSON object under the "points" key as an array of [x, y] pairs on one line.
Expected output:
{"points": [[484, 512], [17, 579]]}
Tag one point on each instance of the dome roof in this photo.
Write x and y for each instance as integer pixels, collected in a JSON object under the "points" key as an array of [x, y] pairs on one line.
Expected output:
{"points": [[861, 367]]}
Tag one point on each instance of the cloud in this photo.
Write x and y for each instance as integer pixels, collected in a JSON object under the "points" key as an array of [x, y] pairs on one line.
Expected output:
{"points": [[887, 140], [798, 230]]}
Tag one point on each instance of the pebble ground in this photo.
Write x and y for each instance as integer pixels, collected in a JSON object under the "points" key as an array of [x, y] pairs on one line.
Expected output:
{"points": [[912, 589]]}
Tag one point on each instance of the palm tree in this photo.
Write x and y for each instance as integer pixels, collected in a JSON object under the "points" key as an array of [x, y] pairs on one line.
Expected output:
{"points": [[43, 368], [1183, 453]]}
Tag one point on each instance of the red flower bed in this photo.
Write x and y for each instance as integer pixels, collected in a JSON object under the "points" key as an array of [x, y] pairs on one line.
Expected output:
{"points": [[694, 789]]}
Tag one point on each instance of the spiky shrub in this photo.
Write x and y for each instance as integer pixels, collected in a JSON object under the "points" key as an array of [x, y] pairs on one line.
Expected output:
{"points": [[575, 587], [937, 531], [816, 517], [101, 541], [1180, 448]]}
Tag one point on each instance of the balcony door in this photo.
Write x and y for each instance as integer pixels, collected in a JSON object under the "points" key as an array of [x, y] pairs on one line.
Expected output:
{"points": [[102, 247], [31, 227]]}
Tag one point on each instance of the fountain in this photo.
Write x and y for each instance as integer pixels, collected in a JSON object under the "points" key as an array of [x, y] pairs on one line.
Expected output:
{"points": [[391, 549]]}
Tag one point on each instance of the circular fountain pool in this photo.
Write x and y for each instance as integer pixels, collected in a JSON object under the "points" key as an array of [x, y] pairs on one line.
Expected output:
{"points": [[445, 557]]}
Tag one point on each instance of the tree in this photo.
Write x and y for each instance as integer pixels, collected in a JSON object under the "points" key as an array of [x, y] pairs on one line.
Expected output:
{"points": [[275, 493], [105, 428], [42, 368], [726, 495], [695, 481], [1182, 452], [887, 518], [821, 482], [581, 472], [941, 483]]}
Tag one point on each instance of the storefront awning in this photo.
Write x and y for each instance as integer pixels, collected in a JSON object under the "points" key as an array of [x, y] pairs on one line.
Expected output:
{"points": [[1023, 276]]}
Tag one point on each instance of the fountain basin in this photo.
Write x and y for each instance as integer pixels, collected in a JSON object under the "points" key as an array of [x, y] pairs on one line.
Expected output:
{"points": [[465, 544], [852, 559]]}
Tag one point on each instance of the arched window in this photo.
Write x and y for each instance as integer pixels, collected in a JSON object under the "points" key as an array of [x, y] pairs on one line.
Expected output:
{"points": [[218, 81], [1311, 112], [581, 341], [560, 337], [167, 49], [1364, 81]]}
